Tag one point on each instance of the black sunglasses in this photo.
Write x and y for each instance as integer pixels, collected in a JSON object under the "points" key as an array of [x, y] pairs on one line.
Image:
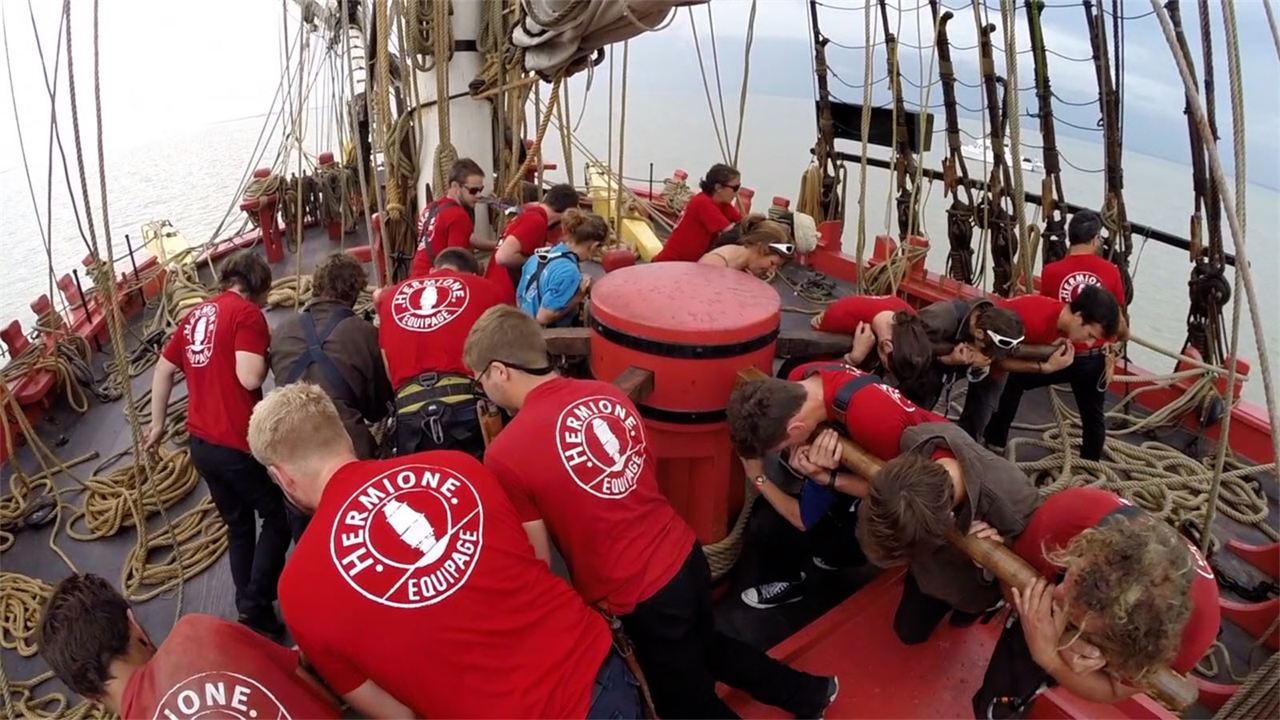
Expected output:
{"points": [[473, 189], [734, 188]]}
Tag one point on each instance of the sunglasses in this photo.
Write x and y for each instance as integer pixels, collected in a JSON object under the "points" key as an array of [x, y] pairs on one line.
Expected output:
{"points": [[527, 370], [783, 249], [1002, 342], [734, 188], [473, 189]]}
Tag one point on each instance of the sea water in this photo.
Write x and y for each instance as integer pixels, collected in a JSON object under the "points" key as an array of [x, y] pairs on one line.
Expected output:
{"points": [[193, 180]]}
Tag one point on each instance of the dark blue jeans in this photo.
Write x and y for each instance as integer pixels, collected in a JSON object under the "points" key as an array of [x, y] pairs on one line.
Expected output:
{"points": [[616, 694]]}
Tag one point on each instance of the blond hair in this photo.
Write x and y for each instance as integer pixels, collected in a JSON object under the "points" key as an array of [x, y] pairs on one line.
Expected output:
{"points": [[293, 421], [1134, 577], [506, 334]]}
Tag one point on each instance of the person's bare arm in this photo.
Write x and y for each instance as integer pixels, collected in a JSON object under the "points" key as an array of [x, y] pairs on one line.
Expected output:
{"points": [[374, 702], [305, 674], [1065, 355], [480, 243], [251, 369], [508, 253], [161, 389], [1043, 625], [787, 506], [538, 538]]}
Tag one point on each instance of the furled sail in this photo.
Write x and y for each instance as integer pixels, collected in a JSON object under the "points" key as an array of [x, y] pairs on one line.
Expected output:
{"points": [[564, 35]]}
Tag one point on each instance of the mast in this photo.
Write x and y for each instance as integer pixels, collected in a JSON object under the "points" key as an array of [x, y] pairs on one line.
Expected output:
{"points": [[1053, 199], [904, 166], [955, 172], [995, 217]]}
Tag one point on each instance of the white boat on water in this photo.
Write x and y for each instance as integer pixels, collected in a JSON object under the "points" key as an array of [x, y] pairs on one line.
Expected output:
{"points": [[980, 150]]}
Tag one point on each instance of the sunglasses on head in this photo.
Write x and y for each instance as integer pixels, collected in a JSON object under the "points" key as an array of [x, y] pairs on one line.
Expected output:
{"points": [[783, 249], [1002, 342]]}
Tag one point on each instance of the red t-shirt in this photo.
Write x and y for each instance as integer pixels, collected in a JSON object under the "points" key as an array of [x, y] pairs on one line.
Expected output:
{"points": [[877, 414], [1039, 317], [1067, 513], [423, 322], [209, 667], [843, 315], [204, 347], [416, 574], [451, 227], [1065, 278], [530, 229], [576, 456], [702, 221]]}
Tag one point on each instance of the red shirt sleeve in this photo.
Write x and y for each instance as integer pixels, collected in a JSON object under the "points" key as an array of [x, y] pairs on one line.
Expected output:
{"points": [[458, 233], [712, 218], [252, 333], [530, 230], [526, 507], [730, 211], [173, 350]]}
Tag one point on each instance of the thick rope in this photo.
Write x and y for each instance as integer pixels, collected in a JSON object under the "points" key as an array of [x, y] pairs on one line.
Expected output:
{"points": [[1015, 141], [1271, 21], [1259, 697], [722, 554], [446, 153], [869, 30], [1233, 220]]}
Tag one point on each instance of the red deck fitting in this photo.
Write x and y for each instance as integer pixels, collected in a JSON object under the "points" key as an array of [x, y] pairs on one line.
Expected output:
{"points": [[1255, 618], [1214, 695], [1264, 557], [32, 388]]}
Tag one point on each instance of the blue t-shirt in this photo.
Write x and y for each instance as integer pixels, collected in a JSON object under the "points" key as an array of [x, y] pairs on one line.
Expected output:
{"points": [[556, 286]]}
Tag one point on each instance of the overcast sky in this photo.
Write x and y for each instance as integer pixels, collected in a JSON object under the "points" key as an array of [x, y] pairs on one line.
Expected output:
{"points": [[173, 66]]}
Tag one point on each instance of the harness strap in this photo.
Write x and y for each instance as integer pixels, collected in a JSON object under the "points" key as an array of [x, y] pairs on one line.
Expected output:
{"points": [[316, 355], [622, 643], [424, 237], [840, 403], [545, 260]]}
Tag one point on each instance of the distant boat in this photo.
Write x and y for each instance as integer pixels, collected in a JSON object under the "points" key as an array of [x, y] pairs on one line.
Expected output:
{"points": [[980, 150]]}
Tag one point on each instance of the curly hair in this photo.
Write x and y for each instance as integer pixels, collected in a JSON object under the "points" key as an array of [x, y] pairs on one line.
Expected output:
{"points": [[339, 277], [1131, 581]]}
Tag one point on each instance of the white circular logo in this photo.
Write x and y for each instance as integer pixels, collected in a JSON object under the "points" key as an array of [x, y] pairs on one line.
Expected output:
{"points": [[199, 334], [410, 537], [1074, 283], [601, 442], [423, 305], [896, 396], [220, 695]]}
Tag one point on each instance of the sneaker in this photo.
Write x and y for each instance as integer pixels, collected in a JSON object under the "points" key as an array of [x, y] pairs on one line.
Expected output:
{"points": [[763, 597], [817, 710], [823, 564]]}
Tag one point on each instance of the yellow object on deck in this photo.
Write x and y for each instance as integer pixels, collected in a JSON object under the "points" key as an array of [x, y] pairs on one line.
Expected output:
{"points": [[165, 242], [633, 231]]}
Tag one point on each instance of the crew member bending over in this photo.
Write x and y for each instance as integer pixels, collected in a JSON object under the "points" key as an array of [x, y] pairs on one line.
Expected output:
{"points": [[423, 323], [1139, 590], [415, 592], [981, 335], [578, 467], [938, 471], [763, 248], [327, 344], [888, 326], [525, 234], [1093, 314], [206, 667], [552, 285], [448, 222], [708, 216], [221, 347]]}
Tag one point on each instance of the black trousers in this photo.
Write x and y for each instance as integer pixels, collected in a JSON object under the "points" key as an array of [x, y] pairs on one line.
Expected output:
{"points": [[919, 613], [245, 495], [1012, 679], [980, 403], [787, 550], [1085, 376], [683, 654]]}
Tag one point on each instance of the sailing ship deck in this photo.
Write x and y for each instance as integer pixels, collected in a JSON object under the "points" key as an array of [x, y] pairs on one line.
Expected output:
{"points": [[844, 629]]}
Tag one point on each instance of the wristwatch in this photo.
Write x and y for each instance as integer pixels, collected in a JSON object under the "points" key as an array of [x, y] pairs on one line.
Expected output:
{"points": [[831, 478], [759, 480]]}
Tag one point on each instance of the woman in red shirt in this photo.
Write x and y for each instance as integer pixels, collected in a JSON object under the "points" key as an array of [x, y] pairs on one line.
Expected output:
{"points": [[710, 213]]}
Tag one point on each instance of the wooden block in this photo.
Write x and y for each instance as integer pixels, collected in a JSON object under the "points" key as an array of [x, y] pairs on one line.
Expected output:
{"points": [[569, 341], [636, 382]]}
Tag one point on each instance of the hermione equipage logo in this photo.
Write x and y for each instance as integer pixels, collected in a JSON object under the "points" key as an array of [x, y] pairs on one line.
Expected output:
{"points": [[1074, 283], [425, 304], [199, 334], [409, 537], [220, 694], [602, 444]]}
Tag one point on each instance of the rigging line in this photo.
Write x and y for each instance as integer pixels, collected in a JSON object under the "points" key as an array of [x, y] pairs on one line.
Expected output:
{"points": [[706, 85], [1271, 20], [1066, 160], [56, 130], [1059, 120], [860, 8], [850, 85], [715, 62], [356, 139], [22, 145], [920, 86], [1059, 98], [746, 74], [75, 128]]}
